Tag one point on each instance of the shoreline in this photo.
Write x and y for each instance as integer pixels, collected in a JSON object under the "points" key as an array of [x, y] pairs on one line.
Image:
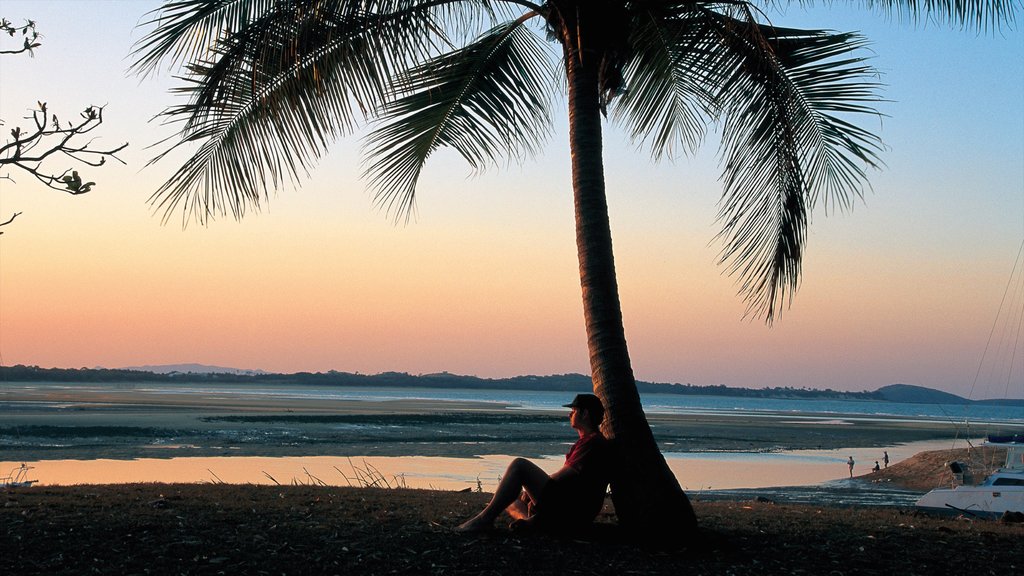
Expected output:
{"points": [[125, 428]]}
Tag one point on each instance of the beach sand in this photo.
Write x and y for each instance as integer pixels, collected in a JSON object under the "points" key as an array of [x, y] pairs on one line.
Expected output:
{"points": [[230, 529]]}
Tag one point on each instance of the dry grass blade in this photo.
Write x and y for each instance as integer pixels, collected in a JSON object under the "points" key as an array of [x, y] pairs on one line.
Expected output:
{"points": [[314, 479]]}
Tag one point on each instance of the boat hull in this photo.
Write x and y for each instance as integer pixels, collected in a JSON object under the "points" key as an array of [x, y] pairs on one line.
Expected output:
{"points": [[977, 500]]}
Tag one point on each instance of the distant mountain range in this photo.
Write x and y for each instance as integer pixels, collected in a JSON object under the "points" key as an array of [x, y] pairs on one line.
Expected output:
{"points": [[192, 373], [191, 369]]}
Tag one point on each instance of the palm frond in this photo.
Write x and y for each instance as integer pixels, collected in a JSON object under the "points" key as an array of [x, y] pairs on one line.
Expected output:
{"points": [[984, 15], [488, 100], [185, 30], [667, 100], [784, 146], [272, 96]]}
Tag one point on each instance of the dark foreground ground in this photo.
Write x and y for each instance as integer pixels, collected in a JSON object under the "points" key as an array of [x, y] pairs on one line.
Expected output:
{"points": [[231, 529]]}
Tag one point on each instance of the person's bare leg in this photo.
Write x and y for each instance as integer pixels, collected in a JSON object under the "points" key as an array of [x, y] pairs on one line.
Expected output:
{"points": [[520, 475]]}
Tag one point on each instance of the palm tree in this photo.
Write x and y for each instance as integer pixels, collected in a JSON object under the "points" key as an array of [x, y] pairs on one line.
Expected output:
{"points": [[270, 83]]}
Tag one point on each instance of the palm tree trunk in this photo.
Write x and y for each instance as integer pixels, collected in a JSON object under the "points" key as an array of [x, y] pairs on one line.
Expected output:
{"points": [[646, 494]]}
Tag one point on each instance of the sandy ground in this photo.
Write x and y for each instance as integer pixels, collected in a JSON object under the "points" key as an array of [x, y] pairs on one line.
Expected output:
{"points": [[930, 469], [226, 529]]}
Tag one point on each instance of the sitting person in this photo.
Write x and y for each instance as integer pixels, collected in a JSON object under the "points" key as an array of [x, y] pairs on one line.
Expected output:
{"points": [[569, 498]]}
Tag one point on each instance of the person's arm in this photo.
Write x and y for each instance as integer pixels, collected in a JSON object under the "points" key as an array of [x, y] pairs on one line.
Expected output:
{"points": [[565, 472], [587, 457]]}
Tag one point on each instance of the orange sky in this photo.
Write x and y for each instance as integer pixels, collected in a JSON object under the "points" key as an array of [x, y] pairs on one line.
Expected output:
{"points": [[485, 282]]}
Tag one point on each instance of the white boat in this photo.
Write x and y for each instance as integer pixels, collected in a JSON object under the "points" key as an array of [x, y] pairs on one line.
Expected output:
{"points": [[1002, 491], [18, 478]]}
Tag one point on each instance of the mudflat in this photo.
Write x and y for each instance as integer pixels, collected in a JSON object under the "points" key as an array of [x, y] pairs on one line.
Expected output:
{"points": [[42, 423]]}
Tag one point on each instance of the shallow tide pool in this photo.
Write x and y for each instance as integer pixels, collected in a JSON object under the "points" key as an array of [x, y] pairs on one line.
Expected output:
{"points": [[695, 471]]}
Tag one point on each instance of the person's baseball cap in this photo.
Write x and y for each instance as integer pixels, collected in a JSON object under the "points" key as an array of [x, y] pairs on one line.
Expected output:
{"points": [[586, 402]]}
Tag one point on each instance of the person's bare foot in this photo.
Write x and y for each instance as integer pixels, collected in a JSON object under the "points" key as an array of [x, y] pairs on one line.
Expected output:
{"points": [[518, 510], [523, 524], [475, 524]]}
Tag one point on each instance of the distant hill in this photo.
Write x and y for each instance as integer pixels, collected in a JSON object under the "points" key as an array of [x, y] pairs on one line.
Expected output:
{"points": [[918, 395]]}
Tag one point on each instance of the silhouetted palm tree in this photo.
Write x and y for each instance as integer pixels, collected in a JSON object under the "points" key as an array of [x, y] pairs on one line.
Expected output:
{"points": [[270, 83]]}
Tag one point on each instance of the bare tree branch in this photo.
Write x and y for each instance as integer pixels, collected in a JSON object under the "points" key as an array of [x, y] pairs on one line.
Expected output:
{"points": [[28, 149], [9, 220], [47, 139]]}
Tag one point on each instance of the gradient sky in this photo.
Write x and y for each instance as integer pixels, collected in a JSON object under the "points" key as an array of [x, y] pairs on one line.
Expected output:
{"points": [[902, 289]]}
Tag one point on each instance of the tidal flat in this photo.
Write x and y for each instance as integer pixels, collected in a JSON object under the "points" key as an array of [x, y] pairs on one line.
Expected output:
{"points": [[111, 422]]}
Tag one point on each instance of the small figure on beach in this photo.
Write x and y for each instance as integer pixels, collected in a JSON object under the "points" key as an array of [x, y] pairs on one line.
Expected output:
{"points": [[850, 464], [570, 497], [885, 458], [877, 467]]}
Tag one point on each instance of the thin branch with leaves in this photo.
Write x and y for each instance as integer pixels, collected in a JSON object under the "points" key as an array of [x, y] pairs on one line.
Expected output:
{"points": [[28, 149], [47, 138], [28, 33]]}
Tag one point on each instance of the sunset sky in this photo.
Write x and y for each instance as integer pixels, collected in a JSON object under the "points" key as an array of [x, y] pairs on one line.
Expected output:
{"points": [[484, 281]]}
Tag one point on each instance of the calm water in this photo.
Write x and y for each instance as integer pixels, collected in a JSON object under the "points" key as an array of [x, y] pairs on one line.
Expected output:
{"points": [[696, 473]]}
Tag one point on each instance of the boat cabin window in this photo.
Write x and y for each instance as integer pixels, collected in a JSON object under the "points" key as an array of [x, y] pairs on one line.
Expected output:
{"points": [[1008, 482]]}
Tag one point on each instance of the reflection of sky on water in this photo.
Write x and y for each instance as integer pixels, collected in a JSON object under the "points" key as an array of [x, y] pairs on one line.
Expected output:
{"points": [[704, 471], [755, 457], [409, 471], [731, 470]]}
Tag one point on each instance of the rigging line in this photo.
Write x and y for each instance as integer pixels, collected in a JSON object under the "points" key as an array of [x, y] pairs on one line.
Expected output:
{"points": [[1017, 335], [995, 323], [965, 425], [1, 308]]}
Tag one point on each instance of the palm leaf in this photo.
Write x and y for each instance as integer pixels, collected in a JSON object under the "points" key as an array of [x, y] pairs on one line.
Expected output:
{"points": [[272, 98], [487, 100], [977, 14], [185, 30], [784, 145], [667, 101]]}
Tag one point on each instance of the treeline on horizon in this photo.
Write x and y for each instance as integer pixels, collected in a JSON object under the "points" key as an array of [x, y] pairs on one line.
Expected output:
{"points": [[564, 382], [561, 382], [573, 383]]}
